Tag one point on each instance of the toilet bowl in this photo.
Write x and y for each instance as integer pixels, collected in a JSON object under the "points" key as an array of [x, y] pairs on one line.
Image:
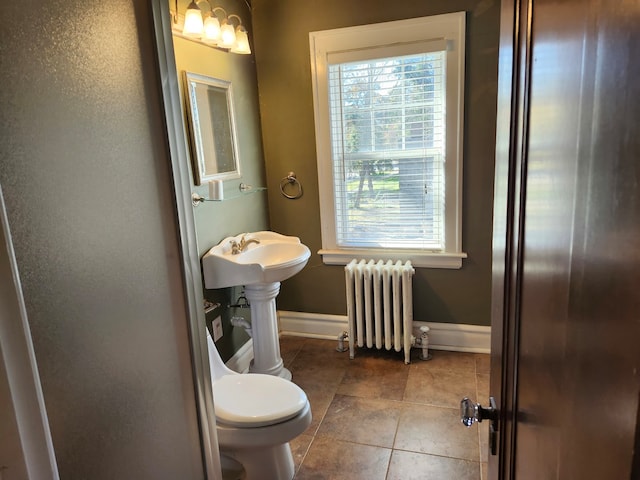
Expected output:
{"points": [[256, 417]]}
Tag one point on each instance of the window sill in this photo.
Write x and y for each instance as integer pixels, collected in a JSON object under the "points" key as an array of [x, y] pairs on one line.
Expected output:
{"points": [[418, 259]]}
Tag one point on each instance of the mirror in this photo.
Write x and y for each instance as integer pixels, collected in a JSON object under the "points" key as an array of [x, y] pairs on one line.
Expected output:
{"points": [[212, 128]]}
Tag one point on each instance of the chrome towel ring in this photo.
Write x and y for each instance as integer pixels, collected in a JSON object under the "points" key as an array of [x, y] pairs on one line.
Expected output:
{"points": [[291, 179]]}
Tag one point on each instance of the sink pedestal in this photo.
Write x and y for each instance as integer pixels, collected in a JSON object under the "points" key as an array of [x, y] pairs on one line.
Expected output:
{"points": [[264, 327]]}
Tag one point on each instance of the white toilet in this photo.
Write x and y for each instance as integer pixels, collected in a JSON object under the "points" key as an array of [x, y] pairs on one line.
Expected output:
{"points": [[256, 417]]}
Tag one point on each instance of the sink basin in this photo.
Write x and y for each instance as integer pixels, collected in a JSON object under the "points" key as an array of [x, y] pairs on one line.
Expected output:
{"points": [[276, 258]]}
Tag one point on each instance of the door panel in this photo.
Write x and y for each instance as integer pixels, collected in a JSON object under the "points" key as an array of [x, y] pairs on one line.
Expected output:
{"points": [[604, 309], [550, 193], [568, 253]]}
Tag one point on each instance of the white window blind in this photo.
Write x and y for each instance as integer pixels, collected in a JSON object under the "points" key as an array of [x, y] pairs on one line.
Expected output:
{"points": [[389, 113], [387, 128]]}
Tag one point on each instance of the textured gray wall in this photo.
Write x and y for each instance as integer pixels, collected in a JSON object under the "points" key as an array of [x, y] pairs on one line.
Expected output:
{"points": [[281, 32], [86, 177]]}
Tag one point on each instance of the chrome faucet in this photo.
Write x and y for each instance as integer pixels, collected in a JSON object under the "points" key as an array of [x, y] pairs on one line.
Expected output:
{"points": [[237, 248]]}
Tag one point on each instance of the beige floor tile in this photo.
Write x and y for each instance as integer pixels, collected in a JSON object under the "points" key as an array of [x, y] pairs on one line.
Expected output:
{"points": [[379, 353], [482, 384], [317, 377], [299, 448], [289, 348], [482, 381], [330, 459], [437, 431], [483, 440], [320, 399], [483, 363], [375, 375], [315, 374], [445, 360], [420, 466], [483, 389], [317, 364], [361, 420], [443, 388], [326, 348]]}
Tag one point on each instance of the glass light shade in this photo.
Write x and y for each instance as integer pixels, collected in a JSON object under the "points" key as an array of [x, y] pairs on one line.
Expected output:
{"points": [[227, 35], [242, 42], [211, 33], [192, 21]]}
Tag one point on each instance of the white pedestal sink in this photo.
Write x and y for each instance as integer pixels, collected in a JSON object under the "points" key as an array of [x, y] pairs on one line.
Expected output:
{"points": [[266, 259]]}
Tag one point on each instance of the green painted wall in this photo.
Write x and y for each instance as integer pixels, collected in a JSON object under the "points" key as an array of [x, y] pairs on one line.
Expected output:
{"points": [[281, 43], [237, 213]]}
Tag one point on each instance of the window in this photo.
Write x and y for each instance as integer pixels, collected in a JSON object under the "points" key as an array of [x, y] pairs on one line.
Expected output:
{"points": [[388, 106]]}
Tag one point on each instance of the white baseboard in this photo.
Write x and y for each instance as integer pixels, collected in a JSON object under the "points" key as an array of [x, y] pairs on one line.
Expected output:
{"points": [[312, 325], [241, 360], [442, 336]]}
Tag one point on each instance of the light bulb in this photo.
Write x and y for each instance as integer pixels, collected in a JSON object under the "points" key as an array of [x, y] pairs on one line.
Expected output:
{"points": [[227, 35], [211, 32], [242, 41], [192, 21]]}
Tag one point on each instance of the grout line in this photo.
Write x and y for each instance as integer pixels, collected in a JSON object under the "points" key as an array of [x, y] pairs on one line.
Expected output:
{"points": [[297, 352], [386, 474], [437, 455], [313, 437]]}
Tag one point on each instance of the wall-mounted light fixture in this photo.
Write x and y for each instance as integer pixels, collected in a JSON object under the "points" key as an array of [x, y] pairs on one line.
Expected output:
{"points": [[209, 28]]}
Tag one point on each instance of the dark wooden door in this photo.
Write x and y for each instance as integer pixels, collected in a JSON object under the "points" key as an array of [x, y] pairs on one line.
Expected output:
{"points": [[566, 293]]}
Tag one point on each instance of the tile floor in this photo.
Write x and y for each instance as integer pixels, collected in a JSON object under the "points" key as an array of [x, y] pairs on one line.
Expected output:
{"points": [[376, 418]]}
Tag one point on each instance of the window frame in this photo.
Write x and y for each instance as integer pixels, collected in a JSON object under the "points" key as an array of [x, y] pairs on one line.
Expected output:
{"points": [[404, 37]]}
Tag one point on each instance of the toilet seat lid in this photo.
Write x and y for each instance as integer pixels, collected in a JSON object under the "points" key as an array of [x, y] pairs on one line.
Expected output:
{"points": [[255, 400]]}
